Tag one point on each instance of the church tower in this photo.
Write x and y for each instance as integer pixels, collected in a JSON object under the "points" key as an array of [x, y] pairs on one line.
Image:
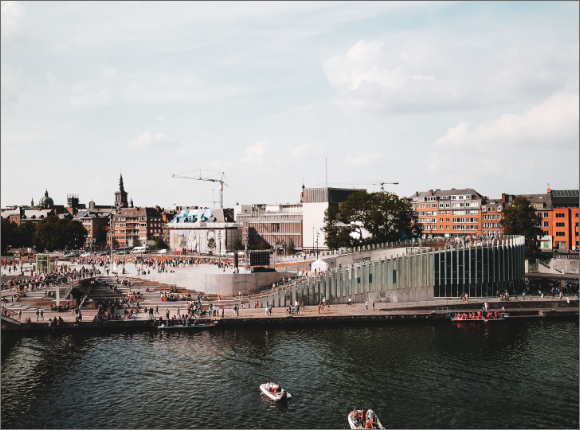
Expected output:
{"points": [[121, 195]]}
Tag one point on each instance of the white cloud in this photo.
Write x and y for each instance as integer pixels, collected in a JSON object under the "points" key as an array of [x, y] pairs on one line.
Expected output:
{"points": [[361, 160], [553, 122], [11, 13], [256, 152], [530, 145], [13, 84], [153, 140], [426, 72]]}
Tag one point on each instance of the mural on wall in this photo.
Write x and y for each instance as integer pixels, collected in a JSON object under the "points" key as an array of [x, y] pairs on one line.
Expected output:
{"points": [[199, 240]]}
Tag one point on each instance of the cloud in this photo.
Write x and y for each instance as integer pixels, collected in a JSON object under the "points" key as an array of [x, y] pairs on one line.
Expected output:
{"points": [[256, 152], [361, 160], [158, 140], [555, 121], [513, 146], [13, 84], [11, 13], [426, 72]]}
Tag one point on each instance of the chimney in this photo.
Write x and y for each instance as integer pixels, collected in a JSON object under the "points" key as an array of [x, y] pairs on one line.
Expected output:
{"points": [[430, 192], [549, 190], [503, 197]]}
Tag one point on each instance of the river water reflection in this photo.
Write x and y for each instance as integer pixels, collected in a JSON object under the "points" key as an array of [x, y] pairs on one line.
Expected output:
{"points": [[414, 375]]}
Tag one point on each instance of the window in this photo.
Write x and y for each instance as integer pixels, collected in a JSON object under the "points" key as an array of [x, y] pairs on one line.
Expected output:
{"points": [[560, 233], [560, 215], [447, 213], [446, 219], [440, 219], [560, 224], [546, 214], [440, 212], [546, 224]]}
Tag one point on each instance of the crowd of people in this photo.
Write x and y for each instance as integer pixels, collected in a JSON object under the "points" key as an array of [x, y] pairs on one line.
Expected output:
{"points": [[477, 315]]}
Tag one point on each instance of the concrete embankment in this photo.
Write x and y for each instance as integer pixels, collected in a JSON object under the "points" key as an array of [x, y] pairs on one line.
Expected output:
{"points": [[338, 315]]}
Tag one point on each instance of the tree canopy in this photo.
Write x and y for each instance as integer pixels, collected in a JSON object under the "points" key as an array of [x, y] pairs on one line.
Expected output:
{"points": [[520, 219], [59, 233], [384, 216]]}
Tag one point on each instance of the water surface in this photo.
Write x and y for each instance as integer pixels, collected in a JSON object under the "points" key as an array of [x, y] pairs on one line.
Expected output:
{"points": [[516, 374]]}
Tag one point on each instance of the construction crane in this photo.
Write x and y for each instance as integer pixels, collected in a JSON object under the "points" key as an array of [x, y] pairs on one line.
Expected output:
{"points": [[341, 184], [221, 182]]}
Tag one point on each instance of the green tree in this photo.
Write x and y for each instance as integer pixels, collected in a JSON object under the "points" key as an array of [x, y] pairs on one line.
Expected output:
{"points": [[520, 219], [10, 235], [264, 245], [238, 245], [137, 242], [27, 233], [160, 243], [57, 233], [384, 216], [291, 250]]}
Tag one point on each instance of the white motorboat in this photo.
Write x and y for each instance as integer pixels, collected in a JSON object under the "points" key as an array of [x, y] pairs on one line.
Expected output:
{"points": [[358, 424], [278, 394]]}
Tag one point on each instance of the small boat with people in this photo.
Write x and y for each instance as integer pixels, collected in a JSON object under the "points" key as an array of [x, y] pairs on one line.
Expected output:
{"points": [[194, 326], [478, 316], [364, 419], [274, 392]]}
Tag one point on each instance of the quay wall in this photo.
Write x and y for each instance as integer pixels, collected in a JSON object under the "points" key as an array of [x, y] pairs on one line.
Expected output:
{"points": [[123, 325]]}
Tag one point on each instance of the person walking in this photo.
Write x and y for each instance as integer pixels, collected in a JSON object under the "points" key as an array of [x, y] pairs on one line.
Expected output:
{"points": [[42, 315], [37, 315], [19, 315], [367, 304]]}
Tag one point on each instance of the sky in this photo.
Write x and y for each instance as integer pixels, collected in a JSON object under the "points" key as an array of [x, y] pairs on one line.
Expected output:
{"points": [[431, 95]]}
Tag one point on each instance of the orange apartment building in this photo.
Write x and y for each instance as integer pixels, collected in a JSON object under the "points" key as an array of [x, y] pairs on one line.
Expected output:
{"points": [[558, 213], [448, 213]]}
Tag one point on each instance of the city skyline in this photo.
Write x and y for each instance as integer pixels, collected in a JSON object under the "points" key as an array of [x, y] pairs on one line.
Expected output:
{"points": [[464, 95]]}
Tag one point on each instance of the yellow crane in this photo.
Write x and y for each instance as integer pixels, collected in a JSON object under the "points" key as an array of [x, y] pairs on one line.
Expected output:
{"points": [[200, 178]]}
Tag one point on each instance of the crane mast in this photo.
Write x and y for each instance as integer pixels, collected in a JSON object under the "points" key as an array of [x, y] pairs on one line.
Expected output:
{"points": [[200, 178]]}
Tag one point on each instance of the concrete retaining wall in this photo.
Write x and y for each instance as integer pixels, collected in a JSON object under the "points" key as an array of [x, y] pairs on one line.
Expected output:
{"points": [[226, 284]]}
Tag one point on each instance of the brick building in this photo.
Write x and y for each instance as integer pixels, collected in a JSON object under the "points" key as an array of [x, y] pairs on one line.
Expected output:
{"points": [[445, 213], [131, 224], [96, 226]]}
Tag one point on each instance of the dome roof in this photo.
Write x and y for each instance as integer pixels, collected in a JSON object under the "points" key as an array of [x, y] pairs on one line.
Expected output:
{"points": [[46, 201]]}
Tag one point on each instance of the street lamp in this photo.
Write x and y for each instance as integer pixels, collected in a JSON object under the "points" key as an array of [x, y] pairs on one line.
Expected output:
{"points": [[317, 233]]}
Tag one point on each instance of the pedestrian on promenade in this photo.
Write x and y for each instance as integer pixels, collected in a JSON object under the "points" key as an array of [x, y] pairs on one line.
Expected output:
{"points": [[42, 315], [367, 304], [19, 315], [223, 310], [37, 315]]}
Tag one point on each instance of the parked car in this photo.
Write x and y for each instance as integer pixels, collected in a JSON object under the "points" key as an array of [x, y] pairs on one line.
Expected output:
{"points": [[163, 251], [72, 254], [87, 254], [104, 253], [178, 251]]}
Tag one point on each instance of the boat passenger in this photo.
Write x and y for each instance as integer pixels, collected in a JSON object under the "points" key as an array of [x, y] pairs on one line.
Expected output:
{"points": [[479, 315], [369, 424], [496, 315], [370, 414], [363, 415]]}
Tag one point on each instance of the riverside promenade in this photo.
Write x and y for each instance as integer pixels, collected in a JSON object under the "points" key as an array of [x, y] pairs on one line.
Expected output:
{"points": [[149, 296]]}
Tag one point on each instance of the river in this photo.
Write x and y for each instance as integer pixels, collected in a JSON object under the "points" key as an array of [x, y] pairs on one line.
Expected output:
{"points": [[515, 374]]}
